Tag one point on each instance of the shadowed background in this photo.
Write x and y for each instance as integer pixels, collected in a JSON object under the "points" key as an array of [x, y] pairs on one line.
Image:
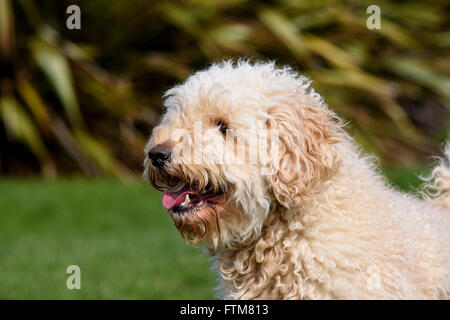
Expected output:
{"points": [[77, 106]]}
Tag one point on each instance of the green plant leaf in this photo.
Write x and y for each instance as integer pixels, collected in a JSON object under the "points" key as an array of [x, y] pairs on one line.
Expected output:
{"points": [[34, 102], [19, 125], [413, 69], [100, 154], [330, 52], [286, 32], [57, 69], [6, 27]]}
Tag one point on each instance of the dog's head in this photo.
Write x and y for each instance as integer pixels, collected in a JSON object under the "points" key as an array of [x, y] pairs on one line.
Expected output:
{"points": [[237, 141]]}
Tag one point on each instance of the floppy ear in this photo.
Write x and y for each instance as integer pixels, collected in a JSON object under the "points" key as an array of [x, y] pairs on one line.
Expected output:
{"points": [[308, 132]]}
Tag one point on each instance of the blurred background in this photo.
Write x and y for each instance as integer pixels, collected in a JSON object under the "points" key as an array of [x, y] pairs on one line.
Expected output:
{"points": [[77, 106]]}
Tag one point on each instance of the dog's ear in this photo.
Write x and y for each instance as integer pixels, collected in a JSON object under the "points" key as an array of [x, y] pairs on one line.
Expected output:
{"points": [[308, 132]]}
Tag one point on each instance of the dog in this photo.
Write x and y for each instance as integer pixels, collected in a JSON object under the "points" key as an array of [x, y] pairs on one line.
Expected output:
{"points": [[312, 217]]}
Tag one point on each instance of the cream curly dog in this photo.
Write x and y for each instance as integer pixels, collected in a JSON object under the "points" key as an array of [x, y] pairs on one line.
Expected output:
{"points": [[309, 218]]}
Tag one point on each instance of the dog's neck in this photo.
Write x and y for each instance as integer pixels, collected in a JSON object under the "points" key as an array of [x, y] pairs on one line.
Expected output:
{"points": [[248, 271], [280, 263]]}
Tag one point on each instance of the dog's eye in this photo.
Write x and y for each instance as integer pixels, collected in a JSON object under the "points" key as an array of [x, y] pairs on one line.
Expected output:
{"points": [[222, 127]]}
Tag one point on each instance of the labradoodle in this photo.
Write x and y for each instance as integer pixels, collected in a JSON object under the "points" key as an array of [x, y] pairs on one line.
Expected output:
{"points": [[255, 167]]}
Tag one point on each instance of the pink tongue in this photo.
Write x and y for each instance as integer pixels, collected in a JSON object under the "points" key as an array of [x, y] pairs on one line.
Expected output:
{"points": [[172, 199]]}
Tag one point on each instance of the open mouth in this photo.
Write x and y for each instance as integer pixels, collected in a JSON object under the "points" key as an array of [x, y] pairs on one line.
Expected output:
{"points": [[188, 198]]}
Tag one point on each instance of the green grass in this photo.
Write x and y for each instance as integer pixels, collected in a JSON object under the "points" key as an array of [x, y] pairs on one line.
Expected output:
{"points": [[119, 235], [125, 245]]}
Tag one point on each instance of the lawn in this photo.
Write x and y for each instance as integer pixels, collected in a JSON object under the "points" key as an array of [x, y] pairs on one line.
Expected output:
{"points": [[118, 234]]}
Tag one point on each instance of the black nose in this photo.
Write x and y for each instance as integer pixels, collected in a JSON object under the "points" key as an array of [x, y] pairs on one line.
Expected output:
{"points": [[159, 154]]}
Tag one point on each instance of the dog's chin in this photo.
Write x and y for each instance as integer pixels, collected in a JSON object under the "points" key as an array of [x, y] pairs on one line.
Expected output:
{"points": [[196, 213], [199, 219]]}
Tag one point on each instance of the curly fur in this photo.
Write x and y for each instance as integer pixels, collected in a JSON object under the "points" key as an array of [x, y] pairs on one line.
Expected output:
{"points": [[326, 225]]}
